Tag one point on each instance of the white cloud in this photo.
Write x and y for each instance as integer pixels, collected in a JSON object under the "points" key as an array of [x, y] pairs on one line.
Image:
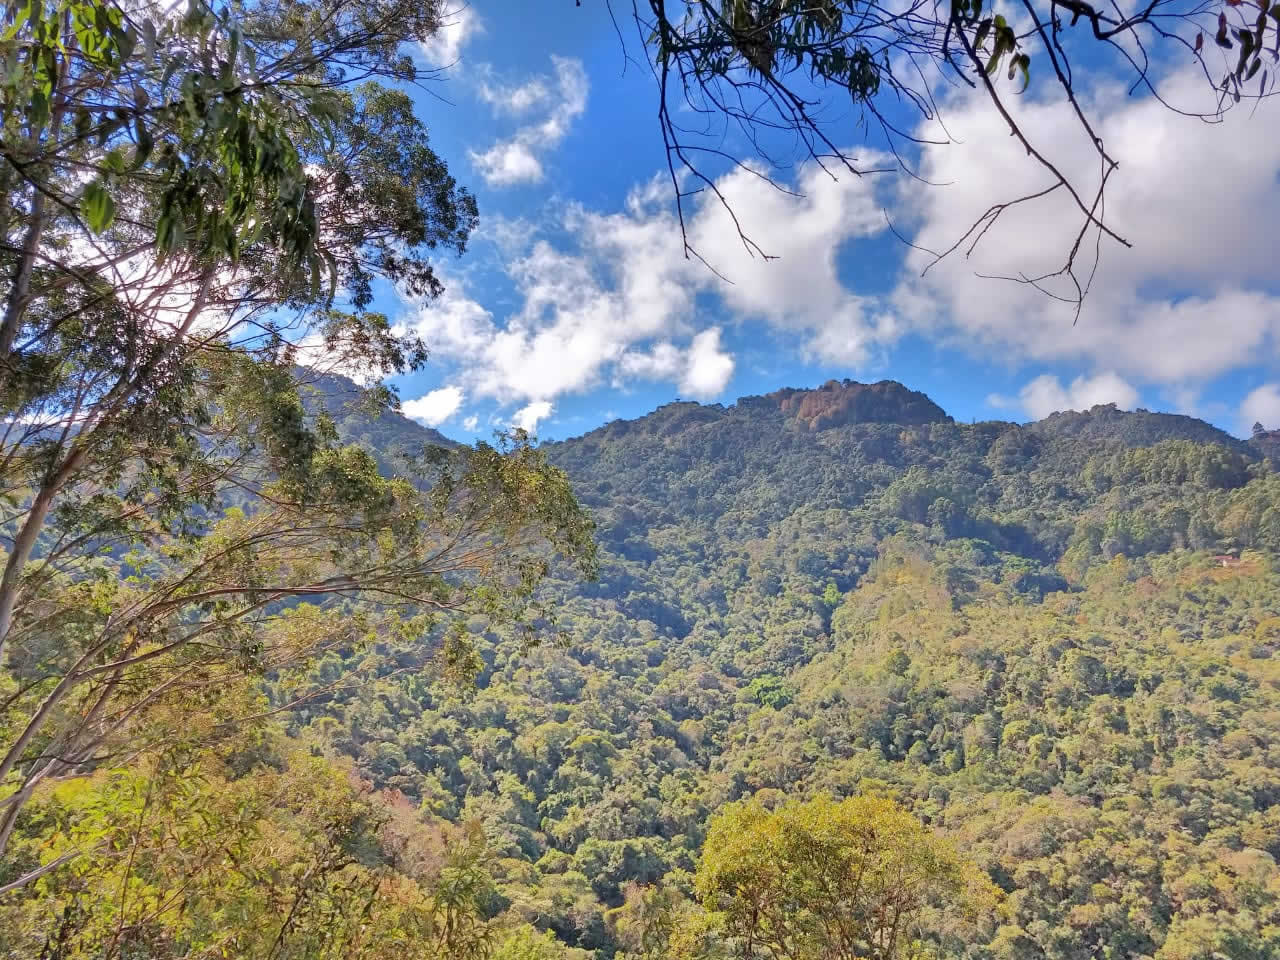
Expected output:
{"points": [[1196, 296], [1046, 394], [702, 371], [510, 235], [1000, 401], [801, 290], [564, 97], [1262, 405], [505, 164], [471, 424], [527, 418], [435, 407], [622, 304], [457, 26], [664, 361], [709, 368], [516, 98], [620, 301]]}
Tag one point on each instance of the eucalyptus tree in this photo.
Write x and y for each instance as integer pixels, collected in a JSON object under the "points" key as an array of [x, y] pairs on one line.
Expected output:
{"points": [[195, 200], [181, 184], [840, 880]]}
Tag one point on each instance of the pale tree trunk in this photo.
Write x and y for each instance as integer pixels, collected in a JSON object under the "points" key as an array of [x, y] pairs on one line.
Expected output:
{"points": [[102, 418], [27, 536], [73, 752], [20, 286], [20, 290], [15, 308]]}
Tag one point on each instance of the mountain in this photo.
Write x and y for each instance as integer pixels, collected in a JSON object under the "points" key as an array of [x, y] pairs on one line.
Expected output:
{"points": [[1024, 633], [1267, 444], [359, 420], [840, 402], [1053, 646], [893, 459], [365, 418], [1140, 428]]}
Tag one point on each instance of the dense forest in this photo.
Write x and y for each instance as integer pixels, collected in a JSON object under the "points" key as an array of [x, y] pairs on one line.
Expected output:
{"points": [[816, 675], [1048, 646]]}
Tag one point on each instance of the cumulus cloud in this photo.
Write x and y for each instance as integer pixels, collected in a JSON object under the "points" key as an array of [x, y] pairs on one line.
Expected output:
{"points": [[435, 407], [1046, 394], [1262, 405], [1183, 306], [562, 98], [799, 293], [622, 302], [515, 98], [701, 371], [619, 302], [528, 417], [508, 163], [471, 424], [709, 368], [457, 26]]}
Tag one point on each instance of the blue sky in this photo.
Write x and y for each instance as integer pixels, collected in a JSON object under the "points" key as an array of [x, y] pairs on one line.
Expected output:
{"points": [[574, 304]]}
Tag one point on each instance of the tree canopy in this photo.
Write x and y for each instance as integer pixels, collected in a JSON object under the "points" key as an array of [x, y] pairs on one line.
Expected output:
{"points": [[269, 679], [195, 200], [843, 880]]}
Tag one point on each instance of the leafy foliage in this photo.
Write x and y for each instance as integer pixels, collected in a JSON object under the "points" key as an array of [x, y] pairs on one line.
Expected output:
{"points": [[826, 879], [1029, 647], [195, 202], [1030, 666]]}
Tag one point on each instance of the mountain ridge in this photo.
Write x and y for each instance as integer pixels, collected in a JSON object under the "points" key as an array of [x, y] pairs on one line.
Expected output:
{"points": [[842, 403], [830, 405]]}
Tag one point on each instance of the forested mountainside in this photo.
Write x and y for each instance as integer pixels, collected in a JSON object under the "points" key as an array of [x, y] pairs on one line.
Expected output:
{"points": [[1056, 645], [361, 417], [1020, 632]]}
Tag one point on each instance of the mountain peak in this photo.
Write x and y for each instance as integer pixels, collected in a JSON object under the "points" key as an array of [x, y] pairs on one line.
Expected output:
{"points": [[360, 419], [840, 402], [1132, 428], [1267, 444]]}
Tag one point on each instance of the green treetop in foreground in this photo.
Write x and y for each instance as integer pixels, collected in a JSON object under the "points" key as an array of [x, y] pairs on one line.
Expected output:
{"points": [[825, 879]]}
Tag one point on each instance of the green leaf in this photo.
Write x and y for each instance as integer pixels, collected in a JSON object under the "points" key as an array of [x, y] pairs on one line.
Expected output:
{"points": [[980, 37], [170, 232], [126, 42], [19, 19], [114, 160], [97, 207], [142, 137], [39, 108]]}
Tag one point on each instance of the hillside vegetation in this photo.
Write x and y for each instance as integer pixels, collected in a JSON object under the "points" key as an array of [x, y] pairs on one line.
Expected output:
{"points": [[1054, 646]]}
